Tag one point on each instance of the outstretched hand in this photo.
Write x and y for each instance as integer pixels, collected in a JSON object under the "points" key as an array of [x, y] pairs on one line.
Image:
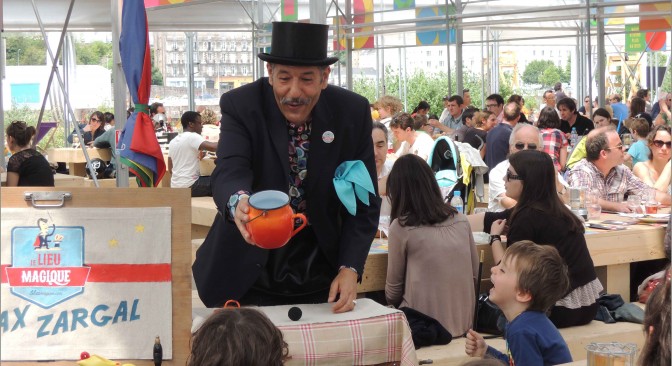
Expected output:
{"points": [[475, 346]]}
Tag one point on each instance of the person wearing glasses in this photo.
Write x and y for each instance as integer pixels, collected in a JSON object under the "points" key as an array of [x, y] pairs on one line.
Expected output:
{"points": [[495, 103], [523, 137], [603, 171], [586, 108], [498, 138], [541, 216], [549, 98], [601, 118], [95, 128], [655, 171]]}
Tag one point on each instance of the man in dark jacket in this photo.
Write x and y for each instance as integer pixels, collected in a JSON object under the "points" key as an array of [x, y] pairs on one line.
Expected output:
{"points": [[289, 132]]}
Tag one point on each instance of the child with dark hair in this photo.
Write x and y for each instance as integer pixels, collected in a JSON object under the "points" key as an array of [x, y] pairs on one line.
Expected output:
{"points": [[238, 336], [26, 167], [526, 283]]}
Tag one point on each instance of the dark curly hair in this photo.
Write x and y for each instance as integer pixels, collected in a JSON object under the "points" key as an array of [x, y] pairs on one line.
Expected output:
{"points": [[238, 336]]}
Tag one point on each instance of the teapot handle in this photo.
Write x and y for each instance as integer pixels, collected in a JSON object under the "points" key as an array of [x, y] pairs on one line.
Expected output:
{"points": [[303, 222]]}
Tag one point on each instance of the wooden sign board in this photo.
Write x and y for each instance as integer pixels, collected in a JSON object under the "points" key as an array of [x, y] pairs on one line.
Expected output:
{"points": [[179, 204]]}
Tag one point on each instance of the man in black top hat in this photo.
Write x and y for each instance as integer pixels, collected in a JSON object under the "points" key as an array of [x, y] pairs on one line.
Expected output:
{"points": [[289, 132]]}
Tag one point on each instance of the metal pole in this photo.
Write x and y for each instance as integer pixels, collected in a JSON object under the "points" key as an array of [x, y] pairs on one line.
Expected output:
{"points": [[54, 68], [482, 73], [589, 59], [119, 89], [458, 48], [65, 93], [190, 69], [600, 72], [348, 45], [3, 55], [318, 11]]}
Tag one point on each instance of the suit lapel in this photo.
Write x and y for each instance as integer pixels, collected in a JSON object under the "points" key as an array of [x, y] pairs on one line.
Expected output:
{"points": [[323, 128], [277, 126]]}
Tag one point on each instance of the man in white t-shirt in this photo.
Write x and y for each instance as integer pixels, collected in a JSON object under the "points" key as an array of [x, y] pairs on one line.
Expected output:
{"points": [[184, 153], [413, 142]]}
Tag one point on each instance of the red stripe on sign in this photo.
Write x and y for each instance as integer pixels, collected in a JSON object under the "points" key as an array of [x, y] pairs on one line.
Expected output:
{"points": [[117, 272]]}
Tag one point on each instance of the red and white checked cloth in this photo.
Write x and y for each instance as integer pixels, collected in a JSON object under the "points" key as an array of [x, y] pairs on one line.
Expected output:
{"points": [[369, 335]]}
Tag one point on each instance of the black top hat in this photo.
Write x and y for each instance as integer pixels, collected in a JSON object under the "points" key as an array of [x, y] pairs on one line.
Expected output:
{"points": [[299, 44]]}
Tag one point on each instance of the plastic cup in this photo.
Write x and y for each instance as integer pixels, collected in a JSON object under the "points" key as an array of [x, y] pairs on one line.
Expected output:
{"points": [[611, 354], [594, 211]]}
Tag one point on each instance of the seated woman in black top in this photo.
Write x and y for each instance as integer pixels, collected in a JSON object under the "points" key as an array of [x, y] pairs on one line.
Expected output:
{"points": [[91, 130], [541, 216], [482, 122], [26, 167]]}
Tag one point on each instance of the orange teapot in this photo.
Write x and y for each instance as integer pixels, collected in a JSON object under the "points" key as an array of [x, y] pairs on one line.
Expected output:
{"points": [[271, 222]]}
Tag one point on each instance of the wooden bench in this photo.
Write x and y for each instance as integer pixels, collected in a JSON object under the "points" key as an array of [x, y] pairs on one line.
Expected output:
{"points": [[576, 337]]}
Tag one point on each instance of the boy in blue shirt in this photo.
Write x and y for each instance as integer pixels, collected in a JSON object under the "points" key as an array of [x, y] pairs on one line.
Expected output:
{"points": [[638, 151], [526, 283]]}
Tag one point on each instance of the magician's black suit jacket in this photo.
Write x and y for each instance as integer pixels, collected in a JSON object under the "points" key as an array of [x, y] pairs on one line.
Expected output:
{"points": [[253, 155]]}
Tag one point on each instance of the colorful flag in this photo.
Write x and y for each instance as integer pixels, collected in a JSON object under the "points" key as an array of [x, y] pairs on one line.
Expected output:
{"points": [[363, 13], [404, 4], [138, 146], [433, 37], [661, 23], [289, 10]]}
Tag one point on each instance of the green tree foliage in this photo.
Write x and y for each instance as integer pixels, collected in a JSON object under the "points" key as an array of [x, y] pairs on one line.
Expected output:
{"points": [[421, 86], [535, 69], [23, 113], [94, 53], [505, 88], [534, 72], [157, 76], [549, 77], [25, 49]]}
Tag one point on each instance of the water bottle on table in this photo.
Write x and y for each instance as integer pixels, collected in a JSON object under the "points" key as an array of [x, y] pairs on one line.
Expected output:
{"points": [[457, 202], [573, 139]]}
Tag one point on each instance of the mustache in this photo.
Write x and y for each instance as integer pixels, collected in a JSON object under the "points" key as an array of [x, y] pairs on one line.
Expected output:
{"points": [[301, 101]]}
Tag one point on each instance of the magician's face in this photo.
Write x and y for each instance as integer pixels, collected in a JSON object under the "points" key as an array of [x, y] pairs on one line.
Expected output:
{"points": [[297, 89]]}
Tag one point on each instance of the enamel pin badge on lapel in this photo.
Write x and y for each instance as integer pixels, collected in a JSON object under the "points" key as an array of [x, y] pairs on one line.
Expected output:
{"points": [[328, 137]]}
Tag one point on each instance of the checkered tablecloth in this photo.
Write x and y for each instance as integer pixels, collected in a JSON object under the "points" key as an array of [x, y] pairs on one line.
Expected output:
{"points": [[369, 335]]}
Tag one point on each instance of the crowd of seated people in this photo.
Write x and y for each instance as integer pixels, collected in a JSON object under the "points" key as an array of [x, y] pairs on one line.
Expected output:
{"points": [[530, 162]]}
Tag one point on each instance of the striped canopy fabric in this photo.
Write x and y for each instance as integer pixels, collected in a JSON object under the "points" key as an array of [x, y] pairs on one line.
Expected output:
{"points": [[138, 146]]}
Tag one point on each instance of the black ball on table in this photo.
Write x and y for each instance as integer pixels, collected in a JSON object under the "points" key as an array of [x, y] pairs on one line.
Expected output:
{"points": [[294, 313]]}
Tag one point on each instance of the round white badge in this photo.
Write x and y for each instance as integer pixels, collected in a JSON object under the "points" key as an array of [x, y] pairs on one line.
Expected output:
{"points": [[328, 137]]}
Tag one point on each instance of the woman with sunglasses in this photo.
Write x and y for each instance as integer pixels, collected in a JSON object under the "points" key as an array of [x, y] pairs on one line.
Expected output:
{"points": [[540, 216], [26, 166], [95, 128], [586, 108], [432, 261], [655, 172]]}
